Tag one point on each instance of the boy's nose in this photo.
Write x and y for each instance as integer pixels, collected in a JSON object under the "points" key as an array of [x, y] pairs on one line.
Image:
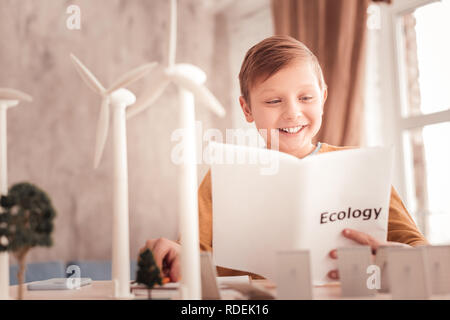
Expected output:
{"points": [[293, 111]]}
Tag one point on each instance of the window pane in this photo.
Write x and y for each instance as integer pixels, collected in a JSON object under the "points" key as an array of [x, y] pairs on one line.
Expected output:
{"points": [[437, 154], [426, 51], [429, 159]]}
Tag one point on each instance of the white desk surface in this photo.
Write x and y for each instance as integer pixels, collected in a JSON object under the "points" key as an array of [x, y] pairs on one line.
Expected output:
{"points": [[102, 290]]}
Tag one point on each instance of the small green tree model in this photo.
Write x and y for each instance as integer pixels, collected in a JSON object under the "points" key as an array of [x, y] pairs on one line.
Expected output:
{"points": [[26, 221], [148, 272]]}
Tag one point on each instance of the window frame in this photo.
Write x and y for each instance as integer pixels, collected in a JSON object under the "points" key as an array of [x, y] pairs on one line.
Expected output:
{"points": [[394, 101]]}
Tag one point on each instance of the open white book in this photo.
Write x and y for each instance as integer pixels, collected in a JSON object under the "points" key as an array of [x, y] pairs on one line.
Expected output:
{"points": [[266, 201]]}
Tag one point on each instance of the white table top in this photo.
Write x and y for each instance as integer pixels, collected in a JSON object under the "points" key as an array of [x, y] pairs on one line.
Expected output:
{"points": [[97, 290], [103, 290]]}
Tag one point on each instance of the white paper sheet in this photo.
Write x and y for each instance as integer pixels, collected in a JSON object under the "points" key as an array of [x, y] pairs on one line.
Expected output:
{"points": [[256, 214]]}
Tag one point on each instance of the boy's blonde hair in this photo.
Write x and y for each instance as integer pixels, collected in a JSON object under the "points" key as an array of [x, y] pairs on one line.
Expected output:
{"points": [[269, 56]]}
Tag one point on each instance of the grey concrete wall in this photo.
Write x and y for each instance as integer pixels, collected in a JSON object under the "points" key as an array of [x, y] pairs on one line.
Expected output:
{"points": [[51, 140]]}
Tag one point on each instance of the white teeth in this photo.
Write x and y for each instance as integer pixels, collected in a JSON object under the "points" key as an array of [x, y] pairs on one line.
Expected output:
{"points": [[292, 130]]}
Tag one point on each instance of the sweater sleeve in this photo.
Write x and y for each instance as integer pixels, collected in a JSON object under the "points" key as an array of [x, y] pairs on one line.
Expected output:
{"points": [[401, 227], [205, 213]]}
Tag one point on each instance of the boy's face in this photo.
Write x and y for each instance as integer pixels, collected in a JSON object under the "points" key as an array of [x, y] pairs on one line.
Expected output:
{"points": [[291, 102]]}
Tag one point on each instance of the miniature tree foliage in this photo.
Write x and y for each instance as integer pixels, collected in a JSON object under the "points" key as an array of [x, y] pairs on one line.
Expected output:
{"points": [[148, 272], [26, 221]]}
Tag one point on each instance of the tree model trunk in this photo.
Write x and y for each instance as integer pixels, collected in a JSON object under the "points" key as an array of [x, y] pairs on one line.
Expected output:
{"points": [[21, 274]]}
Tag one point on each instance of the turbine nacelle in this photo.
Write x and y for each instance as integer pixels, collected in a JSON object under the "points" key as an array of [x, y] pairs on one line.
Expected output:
{"points": [[186, 70], [9, 103], [11, 97], [122, 97]]}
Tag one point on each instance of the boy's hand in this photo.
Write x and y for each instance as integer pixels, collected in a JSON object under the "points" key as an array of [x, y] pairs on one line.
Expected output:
{"points": [[364, 239], [167, 257]]}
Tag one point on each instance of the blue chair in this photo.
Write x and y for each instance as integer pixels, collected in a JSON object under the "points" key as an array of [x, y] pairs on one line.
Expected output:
{"points": [[38, 271], [99, 270]]}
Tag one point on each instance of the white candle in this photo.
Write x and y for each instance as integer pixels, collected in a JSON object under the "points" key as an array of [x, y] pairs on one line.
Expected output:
{"points": [[4, 258], [121, 240], [188, 212]]}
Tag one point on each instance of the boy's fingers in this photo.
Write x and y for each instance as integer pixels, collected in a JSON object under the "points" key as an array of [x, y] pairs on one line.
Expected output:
{"points": [[333, 254], [175, 270], [361, 238], [333, 274], [159, 253], [149, 244], [166, 255], [172, 263]]}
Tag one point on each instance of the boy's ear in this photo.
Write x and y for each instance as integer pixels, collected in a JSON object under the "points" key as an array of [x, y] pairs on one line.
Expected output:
{"points": [[246, 109], [325, 96]]}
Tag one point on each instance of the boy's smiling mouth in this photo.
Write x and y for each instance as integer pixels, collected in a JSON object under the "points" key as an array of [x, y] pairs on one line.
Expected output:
{"points": [[292, 130]]}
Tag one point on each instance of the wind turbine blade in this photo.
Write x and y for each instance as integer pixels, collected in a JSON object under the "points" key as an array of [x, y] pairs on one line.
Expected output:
{"points": [[172, 33], [87, 76], [13, 94], [102, 131], [147, 99], [200, 91], [131, 76]]}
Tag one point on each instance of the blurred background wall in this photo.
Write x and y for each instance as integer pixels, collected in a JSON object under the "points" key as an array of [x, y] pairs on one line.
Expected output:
{"points": [[51, 140]]}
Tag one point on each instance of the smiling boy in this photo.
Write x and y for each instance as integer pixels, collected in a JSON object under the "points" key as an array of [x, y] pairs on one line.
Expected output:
{"points": [[282, 88]]}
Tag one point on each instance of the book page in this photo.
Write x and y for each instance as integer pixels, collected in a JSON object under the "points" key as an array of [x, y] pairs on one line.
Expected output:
{"points": [[252, 211], [303, 204], [342, 189]]}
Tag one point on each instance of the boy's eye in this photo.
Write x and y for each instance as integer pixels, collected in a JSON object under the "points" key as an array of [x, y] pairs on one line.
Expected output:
{"points": [[273, 101], [306, 98]]}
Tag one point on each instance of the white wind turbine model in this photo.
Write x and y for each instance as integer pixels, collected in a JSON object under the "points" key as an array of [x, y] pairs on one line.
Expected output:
{"points": [[8, 99], [189, 79], [118, 99]]}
